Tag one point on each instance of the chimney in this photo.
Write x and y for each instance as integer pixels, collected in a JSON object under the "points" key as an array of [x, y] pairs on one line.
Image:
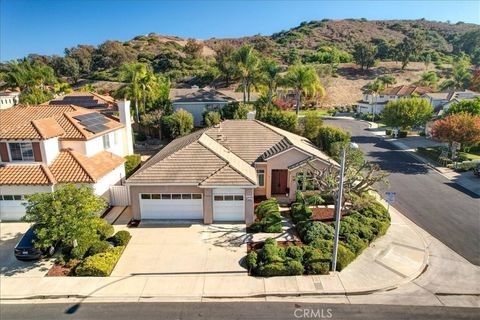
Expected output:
{"points": [[125, 118]]}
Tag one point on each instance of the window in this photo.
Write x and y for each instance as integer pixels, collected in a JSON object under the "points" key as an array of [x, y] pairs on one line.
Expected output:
{"points": [[106, 141], [155, 196], [261, 177], [228, 198], [21, 151], [238, 198], [166, 196], [170, 196], [197, 196], [145, 196], [218, 198], [15, 197], [186, 196], [176, 196]]}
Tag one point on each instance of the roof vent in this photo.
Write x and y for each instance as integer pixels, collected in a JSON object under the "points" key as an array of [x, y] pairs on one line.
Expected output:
{"points": [[220, 137]]}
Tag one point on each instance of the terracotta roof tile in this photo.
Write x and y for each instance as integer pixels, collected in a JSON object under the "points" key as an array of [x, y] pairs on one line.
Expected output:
{"points": [[33, 174], [37, 122]]}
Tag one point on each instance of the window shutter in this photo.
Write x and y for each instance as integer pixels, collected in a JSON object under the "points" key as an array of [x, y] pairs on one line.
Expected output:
{"points": [[4, 152], [37, 153]]}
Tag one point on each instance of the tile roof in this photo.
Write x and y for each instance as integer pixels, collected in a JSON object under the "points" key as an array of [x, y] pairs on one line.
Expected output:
{"points": [[405, 90], [88, 100], [221, 155], [39, 122], [68, 166], [36, 174]]}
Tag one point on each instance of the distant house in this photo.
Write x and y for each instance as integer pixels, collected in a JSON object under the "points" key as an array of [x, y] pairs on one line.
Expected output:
{"points": [[8, 99], [376, 103], [198, 100], [441, 101], [87, 100]]}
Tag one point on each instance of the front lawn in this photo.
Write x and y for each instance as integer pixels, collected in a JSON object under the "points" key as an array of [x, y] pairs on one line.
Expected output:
{"points": [[434, 154], [363, 224]]}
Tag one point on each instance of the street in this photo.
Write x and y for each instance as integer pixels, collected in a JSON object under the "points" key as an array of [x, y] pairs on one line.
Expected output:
{"points": [[228, 310], [446, 210]]}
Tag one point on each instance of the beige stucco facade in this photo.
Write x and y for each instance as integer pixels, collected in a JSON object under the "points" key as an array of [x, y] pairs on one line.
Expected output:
{"points": [[207, 193]]}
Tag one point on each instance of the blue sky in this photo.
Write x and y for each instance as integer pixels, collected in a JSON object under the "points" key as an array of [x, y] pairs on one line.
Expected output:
{"points": [[49, 26]]}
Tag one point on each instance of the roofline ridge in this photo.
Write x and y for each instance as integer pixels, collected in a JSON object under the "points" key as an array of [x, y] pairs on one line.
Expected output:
{"points": [[48, 173], [70, 119], [228, 162], [80, 164]]}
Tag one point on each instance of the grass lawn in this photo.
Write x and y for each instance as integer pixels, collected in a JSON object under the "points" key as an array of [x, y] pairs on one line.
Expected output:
{"points": [[434, 153], [321, 112]]}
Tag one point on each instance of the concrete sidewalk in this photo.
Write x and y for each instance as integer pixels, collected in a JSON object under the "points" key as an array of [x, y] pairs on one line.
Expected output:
{"points": [[394, 259]]}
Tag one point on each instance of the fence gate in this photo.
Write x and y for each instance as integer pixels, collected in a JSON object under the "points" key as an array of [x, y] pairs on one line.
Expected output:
{"points": [[119, 196]]}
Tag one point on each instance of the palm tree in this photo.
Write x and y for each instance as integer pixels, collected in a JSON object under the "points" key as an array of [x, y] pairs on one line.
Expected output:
{"points": [[375, 88], [304, 80], [387, 80], [133, 73], [428, 79], [270, 76], [247, 65], [149, 85]]}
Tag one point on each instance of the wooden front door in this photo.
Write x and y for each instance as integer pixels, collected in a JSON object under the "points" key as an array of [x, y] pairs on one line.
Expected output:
{"points": [[279, 181]]}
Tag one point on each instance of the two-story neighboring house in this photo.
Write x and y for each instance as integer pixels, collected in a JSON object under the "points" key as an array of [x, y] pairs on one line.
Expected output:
{"points": [[8, 99], [88, 100], [42, 146], [375, 104], [441, 101]]}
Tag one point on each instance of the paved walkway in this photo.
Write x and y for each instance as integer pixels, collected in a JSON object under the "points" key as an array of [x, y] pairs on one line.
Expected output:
{"points": [[395, 259]]}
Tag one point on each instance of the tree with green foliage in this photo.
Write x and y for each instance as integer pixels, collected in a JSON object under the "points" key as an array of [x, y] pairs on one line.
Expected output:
{"points": [[234, 110], [428, 79], [193, 48], [406, 113], [461, 75], [411, 46], [153, 119], [312, 122], [303, 79], [247, 64], [69, 213], [375, 88], [471, 107], [35, 96], [179, 124], [328, 136], [62, 88], [270, 76], [132, 73], [211, 118], [272, 114], [387, 80], [225, 63], [364, 55]]}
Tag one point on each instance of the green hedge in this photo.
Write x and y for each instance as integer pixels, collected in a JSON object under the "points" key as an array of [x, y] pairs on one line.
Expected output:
{"points": [[270, 218], [311, 230], [101, 264], [98, 247], [121, 238]]}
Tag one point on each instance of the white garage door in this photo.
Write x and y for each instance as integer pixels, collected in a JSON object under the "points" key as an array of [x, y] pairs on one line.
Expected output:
{"points": [[11, 207], [171, 206], [228, 205]]}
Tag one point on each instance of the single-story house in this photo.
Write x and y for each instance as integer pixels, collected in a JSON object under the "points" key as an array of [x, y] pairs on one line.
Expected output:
{"points": [[198, 100], [214, 174], [44, 146], [375, 104]]}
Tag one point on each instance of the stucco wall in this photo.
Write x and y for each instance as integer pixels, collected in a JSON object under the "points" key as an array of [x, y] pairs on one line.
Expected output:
{"points": [[50, 149], [249, 206], [282, 161], [262, 191], [196, 109], [102, 187]]}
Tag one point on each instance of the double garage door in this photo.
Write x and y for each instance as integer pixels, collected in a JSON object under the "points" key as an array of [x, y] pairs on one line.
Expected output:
{"points": [[228, 205], [171, 206]]}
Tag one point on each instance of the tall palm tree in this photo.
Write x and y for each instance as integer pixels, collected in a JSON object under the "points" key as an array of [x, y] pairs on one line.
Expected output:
{"points": [[375, 88], [270, 76], [149, 86], [304, 80], [428, 79], [133, 73], [247, 64]]}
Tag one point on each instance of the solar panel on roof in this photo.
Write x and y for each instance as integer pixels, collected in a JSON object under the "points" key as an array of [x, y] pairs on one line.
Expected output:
{"points": [[97, 128]]}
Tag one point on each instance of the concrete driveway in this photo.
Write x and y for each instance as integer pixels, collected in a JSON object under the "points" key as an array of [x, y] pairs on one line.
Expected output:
{"points": [[184, 249], [10, 235]]}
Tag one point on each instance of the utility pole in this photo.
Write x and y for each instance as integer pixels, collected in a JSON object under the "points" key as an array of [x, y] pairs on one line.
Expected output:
{"points": [[338, 210]]}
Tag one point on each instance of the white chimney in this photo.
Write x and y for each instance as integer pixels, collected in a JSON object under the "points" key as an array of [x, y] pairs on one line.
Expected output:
{"points": [[125, 118]]}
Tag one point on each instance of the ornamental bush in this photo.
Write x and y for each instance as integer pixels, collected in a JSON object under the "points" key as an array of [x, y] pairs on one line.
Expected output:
{"points": [[104, 229], [98, 247], [101, 264], [344, 257], [251, 260], [294, 252], [211, 118], [311, 230], [270, 218], [121, 238]]}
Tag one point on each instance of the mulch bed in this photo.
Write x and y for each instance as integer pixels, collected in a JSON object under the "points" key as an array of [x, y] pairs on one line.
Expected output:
{"points": [[326, 215], [259, 245], [58, 270]]}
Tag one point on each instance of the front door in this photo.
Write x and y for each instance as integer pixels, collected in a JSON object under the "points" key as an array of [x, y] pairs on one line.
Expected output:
{"points": [[279, 181]]}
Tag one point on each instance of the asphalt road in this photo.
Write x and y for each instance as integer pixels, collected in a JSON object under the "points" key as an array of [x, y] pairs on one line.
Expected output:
{"points": [[446, 210], [228, 310]]}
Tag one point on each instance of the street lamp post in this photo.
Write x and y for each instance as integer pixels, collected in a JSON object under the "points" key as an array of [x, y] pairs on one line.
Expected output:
{"points": [[338, 207]]}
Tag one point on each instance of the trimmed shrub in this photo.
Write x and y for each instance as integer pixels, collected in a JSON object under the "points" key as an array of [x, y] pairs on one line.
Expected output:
{"points": [[300, 212], [271, 253], [211, 118], [274, 228], [99, 265], [266, 206], [251, 260], [294, 267], [271, 219], [325, 246], [121, 238], [299, 197], [98, 247], [344, 257], [327, 136], [104, 229], [80, 251], [355, 244], [273, 269], [296, 253], [311, 230], [255, 227], [315, 261], [313, 198]]}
